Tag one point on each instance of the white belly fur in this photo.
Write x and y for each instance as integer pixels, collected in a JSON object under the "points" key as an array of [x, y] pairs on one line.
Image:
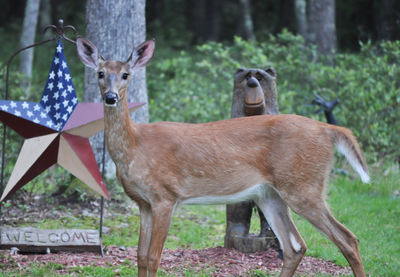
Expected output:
{"points": [[251, 193]]}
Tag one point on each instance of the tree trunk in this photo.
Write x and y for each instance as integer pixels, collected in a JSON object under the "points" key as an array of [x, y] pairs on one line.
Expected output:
{"points": [[45, 16], [286, 16], [386, 19], [27, 38], [155, 12], [322, 25], [245, 27], [300, 7], [195, 11], [213, 19], [116, 27]]}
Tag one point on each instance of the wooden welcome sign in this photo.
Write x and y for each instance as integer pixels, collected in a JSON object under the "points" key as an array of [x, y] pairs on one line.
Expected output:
{"points": [[35, 240]]}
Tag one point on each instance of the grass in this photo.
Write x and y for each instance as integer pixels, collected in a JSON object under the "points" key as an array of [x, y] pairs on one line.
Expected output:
{"points": [[371, 211]]}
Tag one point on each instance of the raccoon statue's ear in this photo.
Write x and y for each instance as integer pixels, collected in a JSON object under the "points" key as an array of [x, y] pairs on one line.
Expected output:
{"points": [[240, 70], [271, 71]]}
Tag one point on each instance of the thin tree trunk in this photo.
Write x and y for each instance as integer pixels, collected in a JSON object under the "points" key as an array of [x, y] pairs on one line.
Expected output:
{"points": [[300, 7], [386, 19], [156, 11], [322, 25], [195, 11], [245, 21], [213, 19], [286, 16], [45, 15], [27, 38], [116, 27]]}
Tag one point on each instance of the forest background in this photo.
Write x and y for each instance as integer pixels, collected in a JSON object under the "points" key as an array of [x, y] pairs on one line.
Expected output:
{"points": [[346, 50], [337, 49]]}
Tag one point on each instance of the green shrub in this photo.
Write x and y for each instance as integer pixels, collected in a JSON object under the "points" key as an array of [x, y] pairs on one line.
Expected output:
{"points": [[197, 87]]}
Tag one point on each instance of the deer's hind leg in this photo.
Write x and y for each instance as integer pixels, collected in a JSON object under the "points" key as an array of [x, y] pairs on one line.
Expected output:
{"points": [[278, 216], [316, 211]]}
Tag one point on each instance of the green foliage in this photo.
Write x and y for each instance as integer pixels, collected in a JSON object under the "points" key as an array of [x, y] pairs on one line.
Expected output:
{"points": [[175, 92], [197, 86]]}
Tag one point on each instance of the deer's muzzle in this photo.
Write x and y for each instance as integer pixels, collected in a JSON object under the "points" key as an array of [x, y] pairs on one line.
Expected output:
{"points": [[110, 98]]}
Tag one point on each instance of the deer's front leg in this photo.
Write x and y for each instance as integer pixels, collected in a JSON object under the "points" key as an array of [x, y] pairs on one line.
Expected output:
{"points": [[162, 213], [144, 238]]}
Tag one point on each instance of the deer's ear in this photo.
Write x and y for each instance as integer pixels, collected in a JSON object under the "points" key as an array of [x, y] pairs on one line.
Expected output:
{"points": [[87, 53], [142, 55]]}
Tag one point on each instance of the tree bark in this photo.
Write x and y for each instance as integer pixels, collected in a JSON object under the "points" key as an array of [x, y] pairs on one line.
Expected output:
{"points": [[245, 27], [322, 25], [155, 11], [286, 16], [213, 19], [116, 27], [386, 19], [300, 7], [195, 11], [45, 15], [27, 38]]}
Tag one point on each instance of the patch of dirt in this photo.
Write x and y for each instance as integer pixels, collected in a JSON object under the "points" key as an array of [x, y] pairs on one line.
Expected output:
{"points": [[34, 209], [220, 261]]}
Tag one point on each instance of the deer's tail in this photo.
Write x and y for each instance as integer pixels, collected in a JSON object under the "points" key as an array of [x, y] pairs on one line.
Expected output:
{"points": [[347, 144]]}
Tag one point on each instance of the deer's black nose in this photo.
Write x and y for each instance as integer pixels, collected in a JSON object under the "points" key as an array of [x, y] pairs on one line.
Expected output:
{"points": [[110, 98], [252, 82]]}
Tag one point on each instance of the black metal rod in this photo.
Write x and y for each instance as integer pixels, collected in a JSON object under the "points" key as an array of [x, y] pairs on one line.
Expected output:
{"points": [[3, 147], [101, 225], [103, 161]]}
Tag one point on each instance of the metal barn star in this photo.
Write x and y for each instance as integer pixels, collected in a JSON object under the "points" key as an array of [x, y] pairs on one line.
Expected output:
{"points": [[56, 130]]}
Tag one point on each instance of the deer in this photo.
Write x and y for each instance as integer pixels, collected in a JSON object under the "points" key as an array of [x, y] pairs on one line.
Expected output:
{"points": [[280, 162]]}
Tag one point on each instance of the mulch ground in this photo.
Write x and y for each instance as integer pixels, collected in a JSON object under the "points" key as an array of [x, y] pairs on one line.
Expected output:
{"points": [[220, 261]]}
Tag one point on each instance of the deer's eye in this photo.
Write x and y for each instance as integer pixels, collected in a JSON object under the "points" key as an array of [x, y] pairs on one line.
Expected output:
{"points": [[100, 74], [125, 76]]}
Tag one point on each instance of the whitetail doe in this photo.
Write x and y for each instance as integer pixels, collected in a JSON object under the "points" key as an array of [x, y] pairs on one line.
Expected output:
{"points": [[279, 161]]}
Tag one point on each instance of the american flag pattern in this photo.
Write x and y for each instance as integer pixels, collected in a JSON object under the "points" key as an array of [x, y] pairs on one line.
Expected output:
{"points": [[58, 100]]}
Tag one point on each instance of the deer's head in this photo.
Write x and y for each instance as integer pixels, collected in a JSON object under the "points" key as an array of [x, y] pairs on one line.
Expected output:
{"points": [[114, 76]]}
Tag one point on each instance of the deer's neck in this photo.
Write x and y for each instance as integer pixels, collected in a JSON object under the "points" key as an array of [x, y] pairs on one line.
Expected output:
{"points": [[119, 132]]}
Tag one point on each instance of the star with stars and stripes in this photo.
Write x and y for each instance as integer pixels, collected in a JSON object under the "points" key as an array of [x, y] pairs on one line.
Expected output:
{"points": [[56, 130]]}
